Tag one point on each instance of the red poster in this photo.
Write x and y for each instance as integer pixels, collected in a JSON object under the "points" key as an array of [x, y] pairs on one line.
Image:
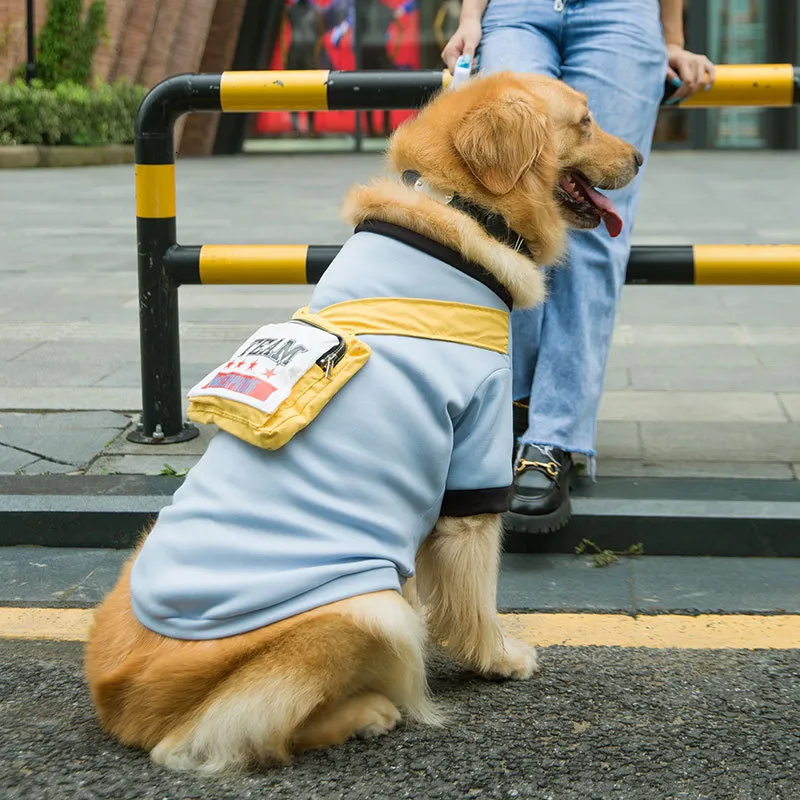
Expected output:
{"points": [[321, 34]]}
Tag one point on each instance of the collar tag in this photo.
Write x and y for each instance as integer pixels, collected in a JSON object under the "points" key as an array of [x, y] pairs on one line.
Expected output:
{"points": [[414, 180], [423, 186]]}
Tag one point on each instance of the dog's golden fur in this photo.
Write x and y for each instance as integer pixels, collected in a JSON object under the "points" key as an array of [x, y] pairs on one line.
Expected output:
{"points": [[352, 667], [501, 142]]}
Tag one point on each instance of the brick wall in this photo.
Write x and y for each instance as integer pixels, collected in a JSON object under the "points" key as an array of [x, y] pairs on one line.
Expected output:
{"points": [[147, 41], [13, 32], [201, 129]]}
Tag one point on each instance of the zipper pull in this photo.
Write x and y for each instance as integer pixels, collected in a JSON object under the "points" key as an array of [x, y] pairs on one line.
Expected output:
{"points": [[558, 5], [328, 366]]}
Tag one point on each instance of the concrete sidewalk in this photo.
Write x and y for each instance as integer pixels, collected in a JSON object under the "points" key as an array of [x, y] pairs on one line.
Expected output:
{"points": [[80, 577], [701, 380]]}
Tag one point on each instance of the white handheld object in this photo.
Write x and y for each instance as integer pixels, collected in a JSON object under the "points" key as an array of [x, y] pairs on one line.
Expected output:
{"points": [[462, 71]]}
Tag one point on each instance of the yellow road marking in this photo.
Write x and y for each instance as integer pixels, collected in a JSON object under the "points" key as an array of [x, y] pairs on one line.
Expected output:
{"points": [[704, 632], [59, 624], [672, 631]]}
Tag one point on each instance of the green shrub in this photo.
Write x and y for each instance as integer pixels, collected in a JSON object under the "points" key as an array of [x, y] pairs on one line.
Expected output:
{"points": [[68, 40], [68, 113]]}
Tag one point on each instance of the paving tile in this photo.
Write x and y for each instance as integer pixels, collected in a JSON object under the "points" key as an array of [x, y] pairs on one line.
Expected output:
{"points": [[564, 582], [207, 354], [70, 363], [708, 309], [100, 581], [781, 357], [689, 335], [154, 464], [13, 461], [683, 335], [63, 420], [44, 467], [224, 299], [618, 440], [744, 297], [718, 356], [710, 378], [632, 468], [691, 406], [47, 574], [791, 402], [617, 379], [94, 305], [194, 447], [700, 298], [71, 398], [716, 584], [12, 349], [771, 335], [73, 438], [721, 441], [130, 375]]}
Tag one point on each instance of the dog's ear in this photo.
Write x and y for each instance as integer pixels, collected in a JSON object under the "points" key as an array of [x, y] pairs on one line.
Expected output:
{"points": [[499, 140]]}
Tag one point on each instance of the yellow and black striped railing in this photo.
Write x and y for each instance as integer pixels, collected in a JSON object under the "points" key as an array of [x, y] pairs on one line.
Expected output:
{"points": [[699, 264], [164, 264]]}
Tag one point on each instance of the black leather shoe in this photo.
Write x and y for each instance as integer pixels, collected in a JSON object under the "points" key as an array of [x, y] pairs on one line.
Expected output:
{"points": [[539, 502]]}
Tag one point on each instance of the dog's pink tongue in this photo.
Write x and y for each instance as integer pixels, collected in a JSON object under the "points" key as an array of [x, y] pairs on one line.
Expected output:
{"points": [[611, 218]]}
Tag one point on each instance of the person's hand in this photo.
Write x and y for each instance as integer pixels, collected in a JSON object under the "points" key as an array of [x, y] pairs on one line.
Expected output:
{"points": [[464, 41], [694, 71]]}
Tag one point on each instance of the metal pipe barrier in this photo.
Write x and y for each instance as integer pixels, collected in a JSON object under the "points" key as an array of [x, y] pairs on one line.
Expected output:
{"points": [[164, 264], [699, 264]]}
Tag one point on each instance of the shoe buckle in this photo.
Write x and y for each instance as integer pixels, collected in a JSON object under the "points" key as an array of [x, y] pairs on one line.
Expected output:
{"points": [[550, 468]]}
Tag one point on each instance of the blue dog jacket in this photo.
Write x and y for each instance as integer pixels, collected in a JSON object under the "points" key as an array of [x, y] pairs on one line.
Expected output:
{"points": [[254, 536]]}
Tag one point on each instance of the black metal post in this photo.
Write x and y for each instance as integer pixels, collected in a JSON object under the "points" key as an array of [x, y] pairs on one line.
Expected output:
{"points": [[159, 340], [159, 337], [783, 32], [697, 40], [30, 66]]}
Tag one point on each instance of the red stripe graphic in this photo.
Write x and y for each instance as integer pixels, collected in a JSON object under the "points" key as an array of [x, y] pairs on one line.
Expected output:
{"points": [[242, 384]]}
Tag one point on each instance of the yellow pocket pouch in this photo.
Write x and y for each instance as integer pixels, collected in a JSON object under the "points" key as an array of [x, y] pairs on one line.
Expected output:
{"points": [[279, 380]]}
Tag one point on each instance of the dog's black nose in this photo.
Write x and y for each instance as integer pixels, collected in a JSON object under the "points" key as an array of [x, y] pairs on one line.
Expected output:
{"points": [[638, 159]]}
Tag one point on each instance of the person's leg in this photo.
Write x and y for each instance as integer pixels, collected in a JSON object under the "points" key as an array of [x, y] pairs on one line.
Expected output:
{"points": [[614, 53], [524, 37]]}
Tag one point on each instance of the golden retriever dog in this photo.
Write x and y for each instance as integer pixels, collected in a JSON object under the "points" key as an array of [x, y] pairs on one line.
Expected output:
{"points": [[495, 172]]}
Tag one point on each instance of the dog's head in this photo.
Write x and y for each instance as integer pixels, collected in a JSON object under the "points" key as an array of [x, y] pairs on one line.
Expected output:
{"points": [[525, 147]]}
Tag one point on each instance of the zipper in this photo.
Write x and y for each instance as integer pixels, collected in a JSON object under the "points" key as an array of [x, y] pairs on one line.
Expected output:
{"points": [[558, 5], [333, 356], [328, 360]]}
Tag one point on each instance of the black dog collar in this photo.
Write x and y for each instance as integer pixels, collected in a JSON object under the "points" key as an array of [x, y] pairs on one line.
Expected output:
{"points": [[440, 252], [492, 223]]}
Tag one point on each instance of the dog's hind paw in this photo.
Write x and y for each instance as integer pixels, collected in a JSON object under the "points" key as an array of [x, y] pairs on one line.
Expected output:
{"points": [[518, 660], [377, 716]]}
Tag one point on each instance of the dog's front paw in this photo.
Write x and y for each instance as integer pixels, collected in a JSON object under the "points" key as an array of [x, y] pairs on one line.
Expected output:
{"points": [[518, 660]]}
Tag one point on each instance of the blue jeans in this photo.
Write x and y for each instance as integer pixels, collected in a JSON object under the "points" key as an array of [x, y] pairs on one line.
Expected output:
{"points": [[613, 51]]}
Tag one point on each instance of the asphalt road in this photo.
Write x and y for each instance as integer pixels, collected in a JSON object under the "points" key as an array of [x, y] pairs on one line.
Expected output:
{"points": [[596, 723]]}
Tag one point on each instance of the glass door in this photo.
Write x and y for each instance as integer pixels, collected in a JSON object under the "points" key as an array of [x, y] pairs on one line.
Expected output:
{"points": [[737, 34]]}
